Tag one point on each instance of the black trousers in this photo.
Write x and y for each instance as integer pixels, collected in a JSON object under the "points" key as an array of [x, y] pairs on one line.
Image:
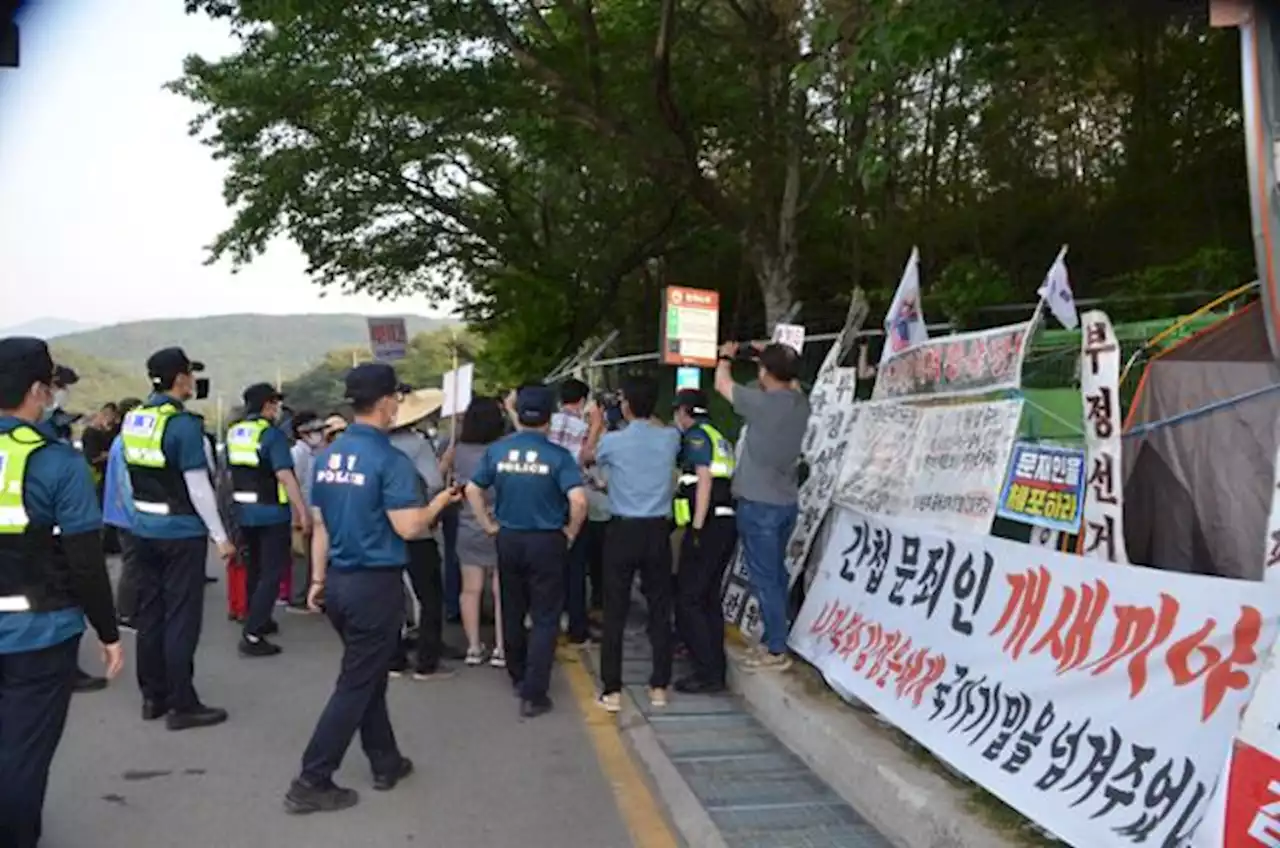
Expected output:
{"points": [[366, 607], [127, 588], [35, 692], [270, 552], [637, 546], [593, 533], [427, 578], [704, 556], [170, 580], [531, 568]]}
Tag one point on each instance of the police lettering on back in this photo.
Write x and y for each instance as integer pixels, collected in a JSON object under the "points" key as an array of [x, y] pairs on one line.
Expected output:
{"points": [[341, 469], [529, 464]]}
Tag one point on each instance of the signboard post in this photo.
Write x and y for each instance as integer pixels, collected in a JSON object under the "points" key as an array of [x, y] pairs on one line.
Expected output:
{"points": [[1044, 487], [389, 339], [690, 327]]}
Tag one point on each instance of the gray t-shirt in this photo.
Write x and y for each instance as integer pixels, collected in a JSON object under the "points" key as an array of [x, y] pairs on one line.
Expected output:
{"points": [[776, 421]]}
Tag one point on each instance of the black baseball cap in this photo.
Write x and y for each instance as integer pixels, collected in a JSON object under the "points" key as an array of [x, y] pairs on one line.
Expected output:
{"points": [[24, 361], [534, 405], [373, 381], [692, 400], [166, 365], [259, 395]]}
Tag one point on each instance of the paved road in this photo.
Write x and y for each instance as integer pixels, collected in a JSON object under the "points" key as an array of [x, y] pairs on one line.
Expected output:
{"points": [[485, 779]]}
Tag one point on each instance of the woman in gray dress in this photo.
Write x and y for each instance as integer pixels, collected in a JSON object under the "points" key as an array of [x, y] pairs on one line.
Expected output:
{"points": [[483, 424]]}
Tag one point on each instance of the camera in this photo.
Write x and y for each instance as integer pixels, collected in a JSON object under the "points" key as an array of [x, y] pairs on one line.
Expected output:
{"points": [[747, 352], [608, 399]]}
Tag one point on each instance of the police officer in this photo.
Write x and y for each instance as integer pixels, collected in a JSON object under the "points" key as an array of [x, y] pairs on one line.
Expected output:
{"points": [[266, 495], [367, 499], [704, 508], [52, 576], [540, 504], [175, 514]]}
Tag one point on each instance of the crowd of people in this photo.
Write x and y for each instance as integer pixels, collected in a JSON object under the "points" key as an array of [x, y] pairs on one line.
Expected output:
{"points": [[547, 500]]}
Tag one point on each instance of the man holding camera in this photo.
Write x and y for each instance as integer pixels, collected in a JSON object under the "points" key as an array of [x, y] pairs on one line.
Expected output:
{"points": [[766, 482]]}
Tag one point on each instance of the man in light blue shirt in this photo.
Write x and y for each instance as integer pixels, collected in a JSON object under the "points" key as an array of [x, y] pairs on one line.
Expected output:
{"points": [[640, 461]]}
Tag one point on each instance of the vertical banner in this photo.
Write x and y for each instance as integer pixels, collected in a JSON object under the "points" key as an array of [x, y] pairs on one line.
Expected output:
{"points": [[1102, 535], [1246, 811], [388, 338]]}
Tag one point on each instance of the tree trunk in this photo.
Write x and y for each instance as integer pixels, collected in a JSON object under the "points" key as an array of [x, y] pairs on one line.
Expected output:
{"points": [[773, 256]]}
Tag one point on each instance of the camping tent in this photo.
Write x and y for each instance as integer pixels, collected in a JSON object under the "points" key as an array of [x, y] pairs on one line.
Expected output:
{"points": [[1199, 451]]}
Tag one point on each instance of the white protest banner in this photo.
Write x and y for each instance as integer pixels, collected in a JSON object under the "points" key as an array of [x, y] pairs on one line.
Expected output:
{"points": [[956, 365], [457, 390], [826, 440], [791, 335], [388, 338], [1102, 534], [1097, 701], [944, 465], [1246, 810]]}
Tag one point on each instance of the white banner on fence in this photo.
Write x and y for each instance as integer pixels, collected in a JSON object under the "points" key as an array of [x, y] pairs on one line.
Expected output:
{"points": [[1246, 811], [1102, 533], [956, 365], [1097, 701], [943, 464]]}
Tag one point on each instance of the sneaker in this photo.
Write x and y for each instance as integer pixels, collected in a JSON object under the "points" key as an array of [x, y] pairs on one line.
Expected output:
{"points": [[475, 656], [533, 709], [200, 716], [498, 659], [399, 667], [439, 673], [658, 697], [304, 798], [611, 702], [765, 661], [387, 782], [256, 646]]}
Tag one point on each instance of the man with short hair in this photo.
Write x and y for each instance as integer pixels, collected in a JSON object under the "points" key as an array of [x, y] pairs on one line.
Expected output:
{"points": [[175, 514], [540, 505], [640, 461], [766, 483], [569, 430], [52, 576]]}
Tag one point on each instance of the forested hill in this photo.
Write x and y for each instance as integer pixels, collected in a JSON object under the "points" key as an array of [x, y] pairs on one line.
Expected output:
{"points": [[238, 349]]}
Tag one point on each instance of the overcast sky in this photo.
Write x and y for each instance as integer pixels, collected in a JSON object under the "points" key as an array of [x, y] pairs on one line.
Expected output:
{"points": [[105, 201]]}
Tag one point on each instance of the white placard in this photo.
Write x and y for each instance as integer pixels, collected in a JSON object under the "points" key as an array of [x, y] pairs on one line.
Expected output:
{"points": [[943, 464], [1102, 533], [1098, 701], [791, 335], [954, 366], [457, 390]]}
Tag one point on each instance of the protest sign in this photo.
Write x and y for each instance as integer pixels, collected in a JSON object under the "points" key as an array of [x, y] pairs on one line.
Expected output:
{"points": [[1246, 810], [944, 464], [388, 339], [1044, 487], [457, 390], [690, 327], [961, 364], [791, 335], [1097, 701], [1103, 532]]}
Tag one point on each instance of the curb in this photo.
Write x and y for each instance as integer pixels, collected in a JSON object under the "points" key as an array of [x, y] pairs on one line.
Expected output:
{"points": [[910, 805]]}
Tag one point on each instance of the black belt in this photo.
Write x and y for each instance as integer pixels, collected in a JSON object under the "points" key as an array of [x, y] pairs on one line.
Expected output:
{"points": [[629, 518]]}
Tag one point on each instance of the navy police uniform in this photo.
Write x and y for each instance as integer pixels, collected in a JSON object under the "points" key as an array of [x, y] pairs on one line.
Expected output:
{"points": [[705, 551], [358, 479], [257, 451], [162, 442], [52, 575], [531, 479]]}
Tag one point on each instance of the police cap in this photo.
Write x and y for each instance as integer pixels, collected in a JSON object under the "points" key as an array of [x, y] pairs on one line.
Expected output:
{"points": [[534, 405], [259, 395], [24, 361], [166, 365], [373, 381], [693, 401]]}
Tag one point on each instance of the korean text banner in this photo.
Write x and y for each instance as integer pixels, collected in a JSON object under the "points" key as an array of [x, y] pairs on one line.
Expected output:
{"points": [[1045, 487], [962, 364], [941, 464], [1098, 701]]}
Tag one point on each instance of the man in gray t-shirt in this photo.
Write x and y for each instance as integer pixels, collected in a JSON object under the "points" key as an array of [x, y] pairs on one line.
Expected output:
{"points": [[766, 483]]}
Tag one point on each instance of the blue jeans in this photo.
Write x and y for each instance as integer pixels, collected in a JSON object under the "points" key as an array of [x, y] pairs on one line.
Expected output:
{"points": [[764, 530]]}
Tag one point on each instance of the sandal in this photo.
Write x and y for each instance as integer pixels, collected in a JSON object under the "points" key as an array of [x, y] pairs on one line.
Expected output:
{"points": [[475, 656], [498, 660]]}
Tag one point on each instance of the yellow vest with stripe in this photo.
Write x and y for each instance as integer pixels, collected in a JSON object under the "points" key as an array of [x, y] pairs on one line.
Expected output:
{"points": [[158, 487], [723, 465], [33, 568], [252, 476]]}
